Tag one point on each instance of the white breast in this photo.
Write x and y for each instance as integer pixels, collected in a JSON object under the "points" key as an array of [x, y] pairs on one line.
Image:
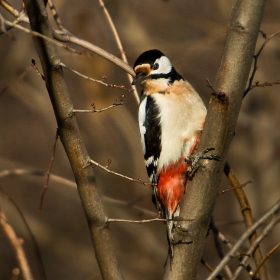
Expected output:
{"points": [[182, 117]]}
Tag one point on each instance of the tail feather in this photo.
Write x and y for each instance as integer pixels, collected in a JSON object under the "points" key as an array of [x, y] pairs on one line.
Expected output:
{"points": [[169, 229]]}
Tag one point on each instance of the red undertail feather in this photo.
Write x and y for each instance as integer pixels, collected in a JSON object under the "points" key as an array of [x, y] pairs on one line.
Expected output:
{"points": [[171, 184]]}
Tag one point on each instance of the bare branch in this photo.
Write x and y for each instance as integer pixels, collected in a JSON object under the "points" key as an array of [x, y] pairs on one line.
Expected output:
{"points": [[68, 37], [97, 110], [65, 36], [37, 34], [11, 9], [275, 220], [94, 80], [270, 214], [232, 188], [146, 221], [265, 259], [118, 174], [221, 237], [33, 64], [119, 44], [17, 245], [219, 247], [265, 84], [255, 65], [71, 139]]}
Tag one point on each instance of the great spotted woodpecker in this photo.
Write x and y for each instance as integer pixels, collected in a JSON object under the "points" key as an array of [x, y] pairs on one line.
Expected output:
{"points": [[171, 118]]}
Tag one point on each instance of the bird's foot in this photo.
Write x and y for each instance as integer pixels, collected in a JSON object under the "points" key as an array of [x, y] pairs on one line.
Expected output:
{"points": [[194, 160]]}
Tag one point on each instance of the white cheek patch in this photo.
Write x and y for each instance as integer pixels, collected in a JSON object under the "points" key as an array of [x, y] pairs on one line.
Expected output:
{"points": [[165, 66]]}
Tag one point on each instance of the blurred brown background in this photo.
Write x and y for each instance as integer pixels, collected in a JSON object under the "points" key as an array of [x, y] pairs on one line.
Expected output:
{"points": [[191, 34]]}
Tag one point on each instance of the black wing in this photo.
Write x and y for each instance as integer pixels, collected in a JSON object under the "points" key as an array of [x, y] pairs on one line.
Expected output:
{"points": [[152, 138]]}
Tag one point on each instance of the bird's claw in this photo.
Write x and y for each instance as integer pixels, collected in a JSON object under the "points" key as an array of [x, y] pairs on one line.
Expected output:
{"points": [[194, 160]]}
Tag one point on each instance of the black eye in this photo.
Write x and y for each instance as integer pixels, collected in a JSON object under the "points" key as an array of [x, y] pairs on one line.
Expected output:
{"points": [[155, 66]]}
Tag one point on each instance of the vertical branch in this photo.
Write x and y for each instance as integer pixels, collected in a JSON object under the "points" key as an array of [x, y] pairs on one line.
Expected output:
{"points": [[71, 140], [199, 200]]}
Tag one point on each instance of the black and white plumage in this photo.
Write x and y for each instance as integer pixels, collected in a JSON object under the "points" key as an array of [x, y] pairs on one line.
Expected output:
{"points": [[171, 118]]}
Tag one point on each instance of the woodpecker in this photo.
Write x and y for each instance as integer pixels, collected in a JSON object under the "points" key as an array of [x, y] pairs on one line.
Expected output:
{"points": [[171, 117]]}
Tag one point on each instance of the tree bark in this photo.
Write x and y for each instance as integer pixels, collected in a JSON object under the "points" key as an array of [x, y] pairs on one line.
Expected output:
{"points": [[224, 106], [72, 142]]}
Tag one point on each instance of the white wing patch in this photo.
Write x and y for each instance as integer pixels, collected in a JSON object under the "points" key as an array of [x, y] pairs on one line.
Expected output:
{"points": [[141, 120], [149, 160]]}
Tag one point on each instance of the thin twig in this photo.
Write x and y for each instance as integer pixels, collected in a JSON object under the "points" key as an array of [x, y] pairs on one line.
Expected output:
{"points": [[256, 56], [265, 259], [71, 184], [33, 65], [17, 245], [119, 44], [219, 246], [120, 175], [96, 110], [115, 104], [252, 248], [5, 26], [148, 220], [49, 171], [65, 36], [265, 84], [268, 215], [94, 80], [37, 34], [233, 188], [222, 238], [10, 8]]}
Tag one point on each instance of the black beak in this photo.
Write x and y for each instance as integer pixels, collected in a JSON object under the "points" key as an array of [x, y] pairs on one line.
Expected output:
{"points": [[139, 78]]}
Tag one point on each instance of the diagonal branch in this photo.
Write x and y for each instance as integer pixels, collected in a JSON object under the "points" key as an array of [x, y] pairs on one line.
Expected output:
{"points": [[272, 213], [71, 139], [264, 260], [94, 80], [255, 244]]}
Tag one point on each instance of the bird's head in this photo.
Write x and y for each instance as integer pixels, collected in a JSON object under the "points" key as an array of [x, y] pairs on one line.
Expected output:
{"points": [[153, 64]]}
